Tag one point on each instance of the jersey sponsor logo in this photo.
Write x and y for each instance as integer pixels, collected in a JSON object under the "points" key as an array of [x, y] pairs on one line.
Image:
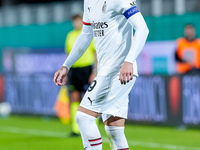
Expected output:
{"points": [[99, 33], [99, 25], [132, 11], [104, 7], [98, 28]]}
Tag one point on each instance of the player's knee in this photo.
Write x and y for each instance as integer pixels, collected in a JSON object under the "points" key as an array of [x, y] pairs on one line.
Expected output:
{"points": [[114, 131], [82, 118], [115, 121], [117, 135], [78, 117]]}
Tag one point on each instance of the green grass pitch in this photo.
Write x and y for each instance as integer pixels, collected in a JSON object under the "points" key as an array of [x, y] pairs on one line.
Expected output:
{"points": [[36, 133]]}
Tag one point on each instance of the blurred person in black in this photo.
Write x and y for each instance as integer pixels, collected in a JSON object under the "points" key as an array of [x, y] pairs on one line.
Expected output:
{"points": [[188, 51]]}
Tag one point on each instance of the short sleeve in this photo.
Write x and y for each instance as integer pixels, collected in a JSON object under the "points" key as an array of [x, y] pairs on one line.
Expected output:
{"points": [[85, 13], [126, 7]]}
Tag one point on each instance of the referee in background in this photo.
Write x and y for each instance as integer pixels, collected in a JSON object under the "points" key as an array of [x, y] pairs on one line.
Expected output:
{"points": [[82, 72]]}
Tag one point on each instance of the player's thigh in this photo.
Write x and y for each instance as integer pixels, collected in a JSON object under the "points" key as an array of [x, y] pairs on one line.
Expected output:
{"points": [[117, 102], [89, 112], [120, 92], [115, 121], [95, 97]]}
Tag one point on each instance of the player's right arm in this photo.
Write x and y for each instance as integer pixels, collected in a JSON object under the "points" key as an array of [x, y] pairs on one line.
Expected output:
{"points": [[82, 43], [79, 48]]}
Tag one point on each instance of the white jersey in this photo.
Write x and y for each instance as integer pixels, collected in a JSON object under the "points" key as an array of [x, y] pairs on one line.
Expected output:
{"points": [[112, 33]]}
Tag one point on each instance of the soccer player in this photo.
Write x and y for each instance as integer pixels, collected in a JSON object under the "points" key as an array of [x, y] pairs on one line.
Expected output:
{"points": [[111, 23], [81, 73]]}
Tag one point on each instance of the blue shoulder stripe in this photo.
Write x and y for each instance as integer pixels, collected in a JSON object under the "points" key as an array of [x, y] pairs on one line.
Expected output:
{"points": [[130, 12]]}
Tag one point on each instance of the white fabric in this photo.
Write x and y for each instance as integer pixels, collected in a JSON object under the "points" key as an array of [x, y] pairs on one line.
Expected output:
{"points": [[123, 5], [141, 32], [117, 137], [89, 131], [80, 46], [108, 96], [113, 34]]}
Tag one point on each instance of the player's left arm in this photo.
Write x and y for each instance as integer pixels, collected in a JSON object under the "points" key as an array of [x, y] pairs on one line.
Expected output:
{"points": [[137, 21], [141, 32]]}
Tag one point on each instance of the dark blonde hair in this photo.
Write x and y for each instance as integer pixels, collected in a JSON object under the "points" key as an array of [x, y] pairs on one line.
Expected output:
{"points": [[77, 16]]}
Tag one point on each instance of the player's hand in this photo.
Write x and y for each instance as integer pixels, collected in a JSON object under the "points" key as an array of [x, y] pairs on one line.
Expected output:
{"points": [[92, 76], [60, 77], [126, 73]]}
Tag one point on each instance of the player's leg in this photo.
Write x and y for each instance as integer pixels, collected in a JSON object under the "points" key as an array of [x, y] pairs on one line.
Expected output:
{"points": [[90, 134], [119, 100], [114, 127], [91, 104], [84, 79]]}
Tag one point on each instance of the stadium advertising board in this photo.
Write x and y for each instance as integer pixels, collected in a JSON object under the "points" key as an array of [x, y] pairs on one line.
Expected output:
{"points": [[155, 99], [171, 100], [191, 99], [32, 61], [31, 94], [148, 100]]}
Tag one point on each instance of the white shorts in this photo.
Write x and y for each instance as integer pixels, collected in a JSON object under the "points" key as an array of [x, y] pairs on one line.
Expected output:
{"points": [[108, 96]]}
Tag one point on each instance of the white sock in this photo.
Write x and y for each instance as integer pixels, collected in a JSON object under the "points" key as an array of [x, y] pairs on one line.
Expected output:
{"points": [[89, 131], [117, 137]]}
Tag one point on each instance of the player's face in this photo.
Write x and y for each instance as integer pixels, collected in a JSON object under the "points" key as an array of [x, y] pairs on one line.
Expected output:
{"points": [[78, 23], [190, 33]]}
